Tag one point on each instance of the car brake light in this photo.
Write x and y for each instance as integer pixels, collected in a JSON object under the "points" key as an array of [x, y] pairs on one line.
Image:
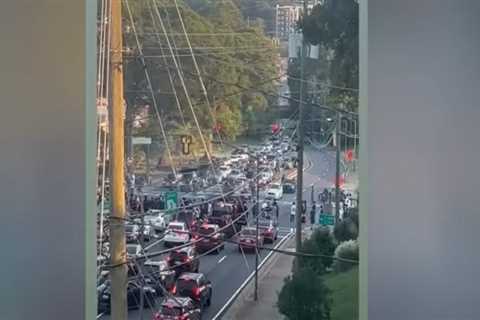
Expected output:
{"points": [[196, 291], [183, 317], [174, 290]]}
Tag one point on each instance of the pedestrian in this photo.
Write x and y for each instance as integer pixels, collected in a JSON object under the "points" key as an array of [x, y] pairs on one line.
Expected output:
{"points": [[275, 204], [312, 216], [293, 210]]}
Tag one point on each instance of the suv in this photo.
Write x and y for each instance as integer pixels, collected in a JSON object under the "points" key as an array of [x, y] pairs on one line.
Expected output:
{"points": [[184, 260], [209, 238], [176, 234], [246, 239], [268, 229], [195, 286], [178, 309], [222, 221]]}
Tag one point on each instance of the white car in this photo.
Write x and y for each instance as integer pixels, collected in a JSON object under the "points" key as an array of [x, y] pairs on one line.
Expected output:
{"points": [[224, 171], [134, 250], [156, 221], [177, 233], [275, 191]]}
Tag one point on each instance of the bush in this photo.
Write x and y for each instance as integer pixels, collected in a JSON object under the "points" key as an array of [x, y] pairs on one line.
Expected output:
{"points": [[346, 250], [305, 296], [321, 242]]}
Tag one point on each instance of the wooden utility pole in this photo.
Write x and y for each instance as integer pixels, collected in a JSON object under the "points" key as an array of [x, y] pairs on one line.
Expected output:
{"points": [[118, 255], [300, 144], [337, 166]]}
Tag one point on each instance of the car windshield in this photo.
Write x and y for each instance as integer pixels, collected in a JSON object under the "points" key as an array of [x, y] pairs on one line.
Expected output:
{"points": [[129, 228], [275, 186], [171, 311], [184, 286], [249, 232], [264, 224], [132, 250], [175, 227]]}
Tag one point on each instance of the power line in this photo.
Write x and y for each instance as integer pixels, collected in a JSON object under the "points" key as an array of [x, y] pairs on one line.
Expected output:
{"points": [[154, 100]]}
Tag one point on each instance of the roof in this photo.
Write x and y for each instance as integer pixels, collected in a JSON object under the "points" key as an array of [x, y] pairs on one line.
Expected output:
{"points": [[190, 276], [176, 301]]}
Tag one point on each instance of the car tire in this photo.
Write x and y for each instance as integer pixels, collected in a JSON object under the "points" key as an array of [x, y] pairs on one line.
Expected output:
{"points": [[209, 301]]}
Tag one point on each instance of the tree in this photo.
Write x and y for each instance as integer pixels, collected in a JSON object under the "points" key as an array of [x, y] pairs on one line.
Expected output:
{"points": [[305, 296], [334, 25], [320, 243], [346, 250], [347, 229]]}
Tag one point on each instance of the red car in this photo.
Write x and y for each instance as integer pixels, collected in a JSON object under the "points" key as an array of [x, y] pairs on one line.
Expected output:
{"points": [[247, 239], [184, 260], [268, 229], [178, 309], [209, 238]]}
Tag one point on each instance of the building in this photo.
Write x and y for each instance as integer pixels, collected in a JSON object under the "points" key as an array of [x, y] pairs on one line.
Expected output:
{"points": [[286, 16]]}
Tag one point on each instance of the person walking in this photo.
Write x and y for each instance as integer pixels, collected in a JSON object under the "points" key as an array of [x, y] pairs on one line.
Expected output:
{"points": [[277, 210], [312, 215], [293, 210]]}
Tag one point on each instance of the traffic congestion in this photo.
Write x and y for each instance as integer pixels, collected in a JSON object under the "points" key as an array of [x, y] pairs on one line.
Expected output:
{"points": [[169, 249]]}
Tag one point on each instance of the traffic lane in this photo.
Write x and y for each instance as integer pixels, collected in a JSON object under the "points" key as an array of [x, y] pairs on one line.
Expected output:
{"points": [[229, 275]]}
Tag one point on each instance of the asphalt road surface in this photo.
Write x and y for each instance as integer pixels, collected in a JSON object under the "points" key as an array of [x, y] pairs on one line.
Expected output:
{"points": [[229, 269]]}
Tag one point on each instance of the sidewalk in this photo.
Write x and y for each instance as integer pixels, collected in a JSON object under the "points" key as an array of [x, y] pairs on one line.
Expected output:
{"points": [[270, 283]]}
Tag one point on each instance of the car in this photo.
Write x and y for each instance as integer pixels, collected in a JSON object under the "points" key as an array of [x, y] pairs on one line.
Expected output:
{"points": [[157, 222], [177, 233], [289, 188], [148, 233], [134, 250], [247, 239], [162, 273], [209, 238], [275, 191], [132, 231], [178, 308], [184, 260], [236, 174], [224, 222], [268, 229], [223, 171], [133, 296], [196, 287]]}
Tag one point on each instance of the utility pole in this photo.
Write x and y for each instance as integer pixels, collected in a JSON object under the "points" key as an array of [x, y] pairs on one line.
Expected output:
{"points": [[118, 256], [337, 166], [257, 212], [300, 130]]}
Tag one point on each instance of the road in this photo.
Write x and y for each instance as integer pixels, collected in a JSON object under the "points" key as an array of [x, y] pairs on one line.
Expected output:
{"points": [[229, 269]]}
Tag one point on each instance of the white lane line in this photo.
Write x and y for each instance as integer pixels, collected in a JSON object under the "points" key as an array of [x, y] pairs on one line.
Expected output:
{"points": [[249, 278], [221, 259]]}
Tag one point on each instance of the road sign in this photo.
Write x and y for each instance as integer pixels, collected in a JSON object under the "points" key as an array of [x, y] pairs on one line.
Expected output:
{"points": [[186, 142], [327, 220], [141, 140], [171, 200]]}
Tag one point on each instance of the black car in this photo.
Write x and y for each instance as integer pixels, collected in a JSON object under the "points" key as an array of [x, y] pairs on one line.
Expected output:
{"points": [[184, 260], [195, 286], [178, 309], [160, 277], [288, 188], [133, 296]]}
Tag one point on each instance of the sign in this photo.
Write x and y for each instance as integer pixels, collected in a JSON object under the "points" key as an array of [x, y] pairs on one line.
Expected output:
{"points": [[186, 142], [171, 200], [141, 140], [327, 220]]}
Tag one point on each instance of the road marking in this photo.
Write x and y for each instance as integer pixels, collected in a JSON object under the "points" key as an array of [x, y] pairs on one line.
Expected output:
{"points": [[221, 259], [219, 314]]}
